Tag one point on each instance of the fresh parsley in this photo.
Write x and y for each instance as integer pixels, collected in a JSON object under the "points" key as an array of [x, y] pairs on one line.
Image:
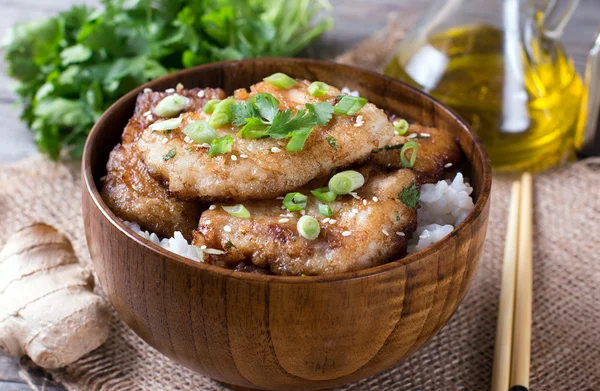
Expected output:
{"points": [[229, 244], [171, 154], [410, 196], [70, 68]]}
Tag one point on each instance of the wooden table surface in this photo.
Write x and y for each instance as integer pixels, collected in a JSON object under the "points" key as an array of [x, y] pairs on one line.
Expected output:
{"points": [[355, 20]]}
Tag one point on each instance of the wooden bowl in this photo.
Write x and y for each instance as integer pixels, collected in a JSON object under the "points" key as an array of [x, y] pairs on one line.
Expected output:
{"points": [[273, 332]]}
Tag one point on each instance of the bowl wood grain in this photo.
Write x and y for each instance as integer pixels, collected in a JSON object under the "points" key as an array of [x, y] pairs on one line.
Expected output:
{"points": [[273, 332]]}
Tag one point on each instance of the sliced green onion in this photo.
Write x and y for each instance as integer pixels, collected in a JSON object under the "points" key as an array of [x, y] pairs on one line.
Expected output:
{"points": [[172, 152], [238, 210], [413, 156], [166, 125], [171, 105], [295, 201], [209, 106], [401, 126], [220, 146], [281, 80], [222, 114], [318, 88], [308, 227], [201, 132], [346, 182], [298, 139], [349, 105], [325, 210], [323, 194]]}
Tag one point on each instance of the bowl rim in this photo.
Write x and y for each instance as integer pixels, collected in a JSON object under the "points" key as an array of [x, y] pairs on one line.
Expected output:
{"points": [[89, 185]]}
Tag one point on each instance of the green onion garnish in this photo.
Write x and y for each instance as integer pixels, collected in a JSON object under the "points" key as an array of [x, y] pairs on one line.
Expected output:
{"points": [[171, 105], [298, 139], [325, 210], [346, 182], [349, 105], [413, 156], [308, 227], [295, 201], [167, 124], [237, 211], [172, 152], [201, 132], [318, 88], [281, 80], [323, 194], [222, 114], [401, 126], [209, 106], [220, 146]]}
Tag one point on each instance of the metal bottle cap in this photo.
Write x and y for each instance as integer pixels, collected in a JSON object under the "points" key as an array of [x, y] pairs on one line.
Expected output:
{"points": [[588, 140]]}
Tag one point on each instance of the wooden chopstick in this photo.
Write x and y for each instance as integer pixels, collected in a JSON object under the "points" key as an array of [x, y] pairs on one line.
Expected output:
{"points": [[504, 330], [521, 346]]}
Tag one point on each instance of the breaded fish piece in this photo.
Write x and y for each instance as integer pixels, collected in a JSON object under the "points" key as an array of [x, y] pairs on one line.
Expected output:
{"points": [[361, 233], [131, 193], [262, 168], [438, 151]]}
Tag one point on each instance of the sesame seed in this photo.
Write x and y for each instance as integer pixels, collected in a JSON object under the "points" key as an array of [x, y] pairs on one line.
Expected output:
{"points": [[201, 94], [332, 221], [147, 90], [203, 247], [375, 199], [150, 118], [364, 202], [400, 233], [302, 212], [207, 222], [212, 207], [353, 194], [425, 135], [284, 220], [179, 87], [299, 107], [205, 145], [412, 135], [165, 140], [170, 90], [147, 113], [359, 121], [227, 228], [275, 150], [447, 165], [346, 233], [354, 210], [244, 156], [385, 232], [325, 220], [233, 157], [289, 215], [187, 140], [283, 207], [279, 198]]}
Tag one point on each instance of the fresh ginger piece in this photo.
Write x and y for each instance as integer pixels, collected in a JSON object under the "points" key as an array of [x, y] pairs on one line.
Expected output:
{"points": [[48, 310]]}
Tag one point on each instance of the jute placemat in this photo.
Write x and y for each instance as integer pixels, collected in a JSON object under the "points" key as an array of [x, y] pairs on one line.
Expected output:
{"points": [[566, 318]]}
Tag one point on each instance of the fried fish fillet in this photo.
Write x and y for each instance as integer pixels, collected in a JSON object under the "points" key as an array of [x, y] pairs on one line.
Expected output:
{"points": [[438, 151], [361, 233], [262, 168], [131, 193]]}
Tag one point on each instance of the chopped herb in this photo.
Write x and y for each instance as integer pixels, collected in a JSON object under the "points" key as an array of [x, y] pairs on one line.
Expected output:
{"points": [[409, 163], [267, 105], [172, 152], [298, 139], [388, 148], [220, 146], [397, 216], [284, 123], [229, 244], [409, 196], [333, 171], [325, 210], [189, 149], [295, 202], [322, 112], [331, 140], [323, 194]]}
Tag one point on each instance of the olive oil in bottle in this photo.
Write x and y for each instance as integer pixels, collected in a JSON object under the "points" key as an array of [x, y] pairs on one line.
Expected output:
{"points": [[522, 102]]}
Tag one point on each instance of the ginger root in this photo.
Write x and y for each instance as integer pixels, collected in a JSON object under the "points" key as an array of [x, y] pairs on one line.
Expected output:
{"points": [[47, 308]]}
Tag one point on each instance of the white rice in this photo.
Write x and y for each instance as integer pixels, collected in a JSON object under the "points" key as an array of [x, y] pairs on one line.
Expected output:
{"points": [[177, 244], [443, 206]]}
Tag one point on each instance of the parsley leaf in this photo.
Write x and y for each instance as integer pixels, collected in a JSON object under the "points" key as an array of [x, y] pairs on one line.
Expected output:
{"points": [[410, 196], [322, 112]]}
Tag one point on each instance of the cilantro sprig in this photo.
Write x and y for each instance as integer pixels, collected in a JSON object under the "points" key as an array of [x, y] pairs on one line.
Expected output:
{"points": [[260, 117], [410, 196]]}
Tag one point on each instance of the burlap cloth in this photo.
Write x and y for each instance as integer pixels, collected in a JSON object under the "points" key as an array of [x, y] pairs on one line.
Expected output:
{"points": [[566, 315]]}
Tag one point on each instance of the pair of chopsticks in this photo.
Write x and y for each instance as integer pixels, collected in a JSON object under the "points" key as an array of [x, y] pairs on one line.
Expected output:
{"points": [[513, 334]]}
